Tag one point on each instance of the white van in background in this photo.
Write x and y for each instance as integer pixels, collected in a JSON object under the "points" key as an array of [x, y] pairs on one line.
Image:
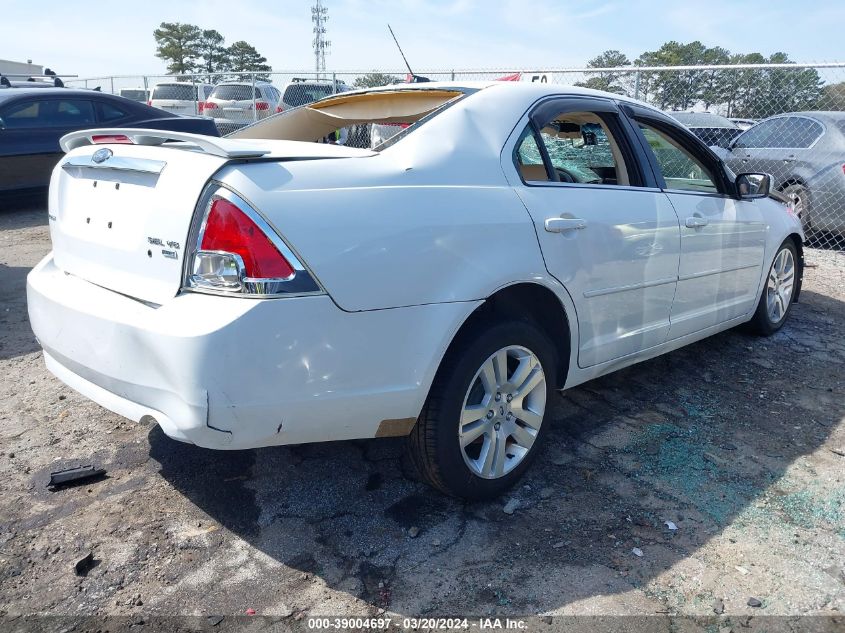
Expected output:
{"points": [[180, 97]]}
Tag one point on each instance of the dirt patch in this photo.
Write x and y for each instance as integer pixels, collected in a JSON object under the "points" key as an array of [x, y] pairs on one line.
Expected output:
{"points": [[733, 441]]}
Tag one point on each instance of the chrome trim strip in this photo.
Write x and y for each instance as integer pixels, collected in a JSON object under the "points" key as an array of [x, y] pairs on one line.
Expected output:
{"points": [[708, 273], [116, 163], [645, 284]]}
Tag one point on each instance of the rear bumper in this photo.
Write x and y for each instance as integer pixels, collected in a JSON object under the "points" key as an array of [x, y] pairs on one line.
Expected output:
{"points": [[231, 373]]}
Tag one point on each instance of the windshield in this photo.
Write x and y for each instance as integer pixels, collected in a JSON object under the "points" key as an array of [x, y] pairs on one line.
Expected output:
{"points": [[175, 92]]}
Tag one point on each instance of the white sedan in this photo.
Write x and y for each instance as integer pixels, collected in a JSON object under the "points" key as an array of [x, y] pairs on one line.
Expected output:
{"points": [[509, 240]]}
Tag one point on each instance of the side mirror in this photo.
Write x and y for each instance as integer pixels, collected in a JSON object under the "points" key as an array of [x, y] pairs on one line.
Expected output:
{"points": [[752, 186]]}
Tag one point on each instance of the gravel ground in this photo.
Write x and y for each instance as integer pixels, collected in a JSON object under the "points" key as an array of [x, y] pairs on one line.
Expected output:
{"points": [[737, 441]]}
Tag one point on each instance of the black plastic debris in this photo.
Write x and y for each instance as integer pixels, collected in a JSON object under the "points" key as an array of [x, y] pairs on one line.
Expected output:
{"points": [[72, 476], [86, 564]]}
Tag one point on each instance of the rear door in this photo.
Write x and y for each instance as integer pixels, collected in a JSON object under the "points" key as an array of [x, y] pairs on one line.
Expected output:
{"points": [[606, 232], [722, 238]]}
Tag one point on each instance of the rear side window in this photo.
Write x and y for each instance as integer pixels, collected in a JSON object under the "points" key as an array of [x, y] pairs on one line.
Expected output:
{"points": [[757, 135], [50, 113], [109, 112], [174, 92], [802, 132], [236, 92], [302, 94]]}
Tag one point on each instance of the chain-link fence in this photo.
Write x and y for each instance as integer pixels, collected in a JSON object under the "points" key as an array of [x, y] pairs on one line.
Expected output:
{"points": [[784, 119]]}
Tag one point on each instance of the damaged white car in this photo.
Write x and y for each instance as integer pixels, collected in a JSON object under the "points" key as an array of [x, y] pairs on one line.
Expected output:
{"points": [[509, 240]]}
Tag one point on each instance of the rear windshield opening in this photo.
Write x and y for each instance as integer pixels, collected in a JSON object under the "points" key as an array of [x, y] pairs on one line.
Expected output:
{"points": [[370, 120]]}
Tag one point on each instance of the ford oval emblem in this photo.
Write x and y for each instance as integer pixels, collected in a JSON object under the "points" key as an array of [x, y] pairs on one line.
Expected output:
{"points": [[101, 155]]}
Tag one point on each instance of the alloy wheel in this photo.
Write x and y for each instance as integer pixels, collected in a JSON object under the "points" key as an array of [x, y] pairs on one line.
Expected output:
{"points": [[780, 285], [502, 412]]}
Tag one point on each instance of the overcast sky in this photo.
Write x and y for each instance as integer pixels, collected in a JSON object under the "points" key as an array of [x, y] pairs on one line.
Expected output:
{"points": [[91, 38]]}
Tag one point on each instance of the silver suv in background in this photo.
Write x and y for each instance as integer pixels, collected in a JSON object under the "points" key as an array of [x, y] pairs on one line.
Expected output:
{"points": [[180, 97], [300, 92], [234, 105]]}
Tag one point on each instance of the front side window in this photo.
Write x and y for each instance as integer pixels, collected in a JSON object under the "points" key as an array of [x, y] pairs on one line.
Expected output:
{"points": [[759, 135], [681, 170], [71, 113], [580, 147]]}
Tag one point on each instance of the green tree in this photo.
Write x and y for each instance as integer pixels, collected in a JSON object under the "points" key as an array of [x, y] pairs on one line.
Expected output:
{"points": [[713, 81], [618, 82], [375, 78], [177, 44], [673, 90], [833, 97], [244, 57], [215, 56]]}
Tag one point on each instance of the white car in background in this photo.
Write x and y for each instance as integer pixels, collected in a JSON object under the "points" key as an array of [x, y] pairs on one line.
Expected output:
{"points": [[514, 239], [234, 105], [180, 97]]}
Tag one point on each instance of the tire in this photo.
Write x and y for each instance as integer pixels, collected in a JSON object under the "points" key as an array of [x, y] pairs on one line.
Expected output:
{"points": [[779, 286], [435, 443], [799, 196]]}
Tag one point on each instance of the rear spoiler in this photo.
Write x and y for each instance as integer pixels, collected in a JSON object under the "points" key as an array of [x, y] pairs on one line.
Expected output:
{"points": [[225, 148]]}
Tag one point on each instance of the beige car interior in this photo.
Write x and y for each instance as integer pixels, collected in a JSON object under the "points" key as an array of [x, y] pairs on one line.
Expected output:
{"points": [[535, 173], [317, 120]]}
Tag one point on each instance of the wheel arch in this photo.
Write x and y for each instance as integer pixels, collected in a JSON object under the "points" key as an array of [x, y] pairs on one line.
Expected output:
{"points": [[799, 249], [524, 300]]}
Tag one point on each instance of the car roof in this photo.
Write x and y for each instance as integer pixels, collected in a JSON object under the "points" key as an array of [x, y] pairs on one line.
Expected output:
{"points": [[178, 83], [536, 90], [702, 119], [8, 93]]}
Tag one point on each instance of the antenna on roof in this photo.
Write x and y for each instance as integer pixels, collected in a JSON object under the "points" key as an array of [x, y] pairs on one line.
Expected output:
{"points": [[412, 78]]}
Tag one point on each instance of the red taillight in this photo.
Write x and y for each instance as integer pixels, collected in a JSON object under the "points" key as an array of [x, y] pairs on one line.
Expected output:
{"points": [[99, 139], [843, 168], [208, 105], [150, 102], [200, 106], [262, 105], [229, 229], [279, 109]]}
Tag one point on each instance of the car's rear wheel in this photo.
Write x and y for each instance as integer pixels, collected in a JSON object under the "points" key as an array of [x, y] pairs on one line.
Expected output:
{"points": [[484, 418], [778, 291]]}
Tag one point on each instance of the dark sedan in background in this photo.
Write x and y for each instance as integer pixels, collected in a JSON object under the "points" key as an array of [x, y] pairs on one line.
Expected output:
{"points": [[32, 120]]}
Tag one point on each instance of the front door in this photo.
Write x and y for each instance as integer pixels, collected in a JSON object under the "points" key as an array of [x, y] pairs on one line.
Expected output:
{"points": [[611, 241], [722, 238]]}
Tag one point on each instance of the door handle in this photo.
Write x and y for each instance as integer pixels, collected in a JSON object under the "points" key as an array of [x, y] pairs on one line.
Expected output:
{"points": [[561, 224], [696, 222]]}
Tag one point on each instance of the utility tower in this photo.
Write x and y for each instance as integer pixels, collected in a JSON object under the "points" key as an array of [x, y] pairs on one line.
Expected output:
{"points": [[319, 16]]}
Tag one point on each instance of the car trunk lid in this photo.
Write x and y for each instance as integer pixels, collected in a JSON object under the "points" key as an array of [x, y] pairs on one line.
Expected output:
{"points": [[120, 214]]}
